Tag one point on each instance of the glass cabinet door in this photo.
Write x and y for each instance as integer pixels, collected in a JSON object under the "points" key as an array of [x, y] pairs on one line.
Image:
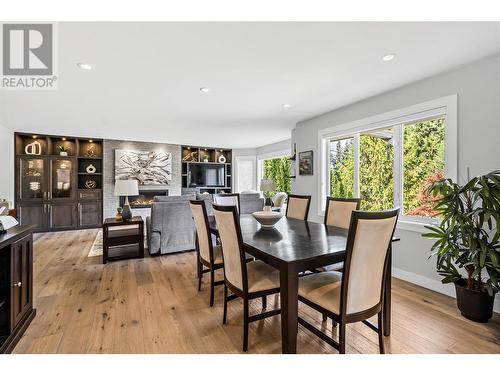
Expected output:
{"points": [[32, 179], [62, 172]]}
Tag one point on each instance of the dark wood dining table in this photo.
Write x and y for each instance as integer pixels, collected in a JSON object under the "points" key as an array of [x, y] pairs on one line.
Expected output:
{"points": [[295, 246]]}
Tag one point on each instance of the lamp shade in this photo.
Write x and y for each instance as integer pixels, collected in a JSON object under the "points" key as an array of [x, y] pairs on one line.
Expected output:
{"points": [[126, 188], [267, 185]]}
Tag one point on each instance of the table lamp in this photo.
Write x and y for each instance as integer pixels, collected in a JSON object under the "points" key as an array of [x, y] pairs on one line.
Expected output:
{"points": [[126, 188], [267, 186]]}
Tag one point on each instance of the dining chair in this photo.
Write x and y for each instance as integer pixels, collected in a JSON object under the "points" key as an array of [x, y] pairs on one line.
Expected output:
{"points": [[245, 280], [339, 210], [208, 255], [357, 293], [298, 206], [228, 199]]}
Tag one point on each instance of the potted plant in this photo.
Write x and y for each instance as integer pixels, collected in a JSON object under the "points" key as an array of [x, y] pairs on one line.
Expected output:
{"points": [[63, 150], [467, 238]]}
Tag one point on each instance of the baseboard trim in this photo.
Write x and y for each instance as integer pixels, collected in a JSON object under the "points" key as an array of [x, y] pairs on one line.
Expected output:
{"points": [[435, 285]]}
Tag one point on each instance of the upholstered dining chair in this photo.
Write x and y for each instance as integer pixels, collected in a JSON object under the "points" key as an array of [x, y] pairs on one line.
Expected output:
{"points": [[228, 199], [298, 206], [208, 255], [338, 213], [357, 293], [245, 280]]}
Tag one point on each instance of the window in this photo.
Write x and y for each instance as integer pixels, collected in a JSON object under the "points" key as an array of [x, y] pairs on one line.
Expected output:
{"points": [[389, 160], [376, 170], [278, 170], [423, 162], [342, 168]]}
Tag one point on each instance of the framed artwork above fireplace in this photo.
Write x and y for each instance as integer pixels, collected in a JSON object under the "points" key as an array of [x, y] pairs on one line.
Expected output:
{"points": [[147, 167]]}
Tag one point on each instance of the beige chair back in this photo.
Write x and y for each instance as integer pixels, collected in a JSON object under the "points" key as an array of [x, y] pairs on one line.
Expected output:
{"points": [[338, 212], [204, 237], [231, 251], [365, 261], [298, 206]]}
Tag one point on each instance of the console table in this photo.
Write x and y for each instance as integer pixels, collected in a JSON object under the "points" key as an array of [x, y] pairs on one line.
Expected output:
{"points": [[16, 285]]}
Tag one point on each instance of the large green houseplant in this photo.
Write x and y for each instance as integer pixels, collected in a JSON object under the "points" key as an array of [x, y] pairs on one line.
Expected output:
{"points": [[467, 238]]}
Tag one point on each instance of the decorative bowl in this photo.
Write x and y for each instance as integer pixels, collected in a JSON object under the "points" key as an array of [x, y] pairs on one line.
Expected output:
{"points": [[267, 219]]}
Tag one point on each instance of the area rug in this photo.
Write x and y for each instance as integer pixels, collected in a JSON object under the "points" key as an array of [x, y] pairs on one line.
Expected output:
{"points": [[96, 249]]}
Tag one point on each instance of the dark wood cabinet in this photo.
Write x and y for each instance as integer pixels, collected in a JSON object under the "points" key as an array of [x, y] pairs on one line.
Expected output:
{"points": [[89, 214], [62, 215], [21, 278], [58, 192], [33, 214], [16, 285]]}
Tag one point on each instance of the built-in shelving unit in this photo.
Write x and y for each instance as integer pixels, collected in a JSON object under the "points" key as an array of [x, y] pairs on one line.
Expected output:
{"points": [[58, 181], [196, 158]]}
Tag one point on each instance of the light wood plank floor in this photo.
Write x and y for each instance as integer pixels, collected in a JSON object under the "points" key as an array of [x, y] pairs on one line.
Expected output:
{"points": [[152, 306]]}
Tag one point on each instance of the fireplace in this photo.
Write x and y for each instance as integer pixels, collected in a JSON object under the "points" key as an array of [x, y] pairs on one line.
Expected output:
{"points": [[144, 199]]}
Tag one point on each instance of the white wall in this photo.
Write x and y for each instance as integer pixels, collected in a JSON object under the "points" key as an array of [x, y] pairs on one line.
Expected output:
{"points": [[478, 89], [7, 164]]}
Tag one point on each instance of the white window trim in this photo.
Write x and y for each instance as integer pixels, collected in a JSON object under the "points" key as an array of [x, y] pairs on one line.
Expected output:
{"points": [[445, 105], [267, 156]]}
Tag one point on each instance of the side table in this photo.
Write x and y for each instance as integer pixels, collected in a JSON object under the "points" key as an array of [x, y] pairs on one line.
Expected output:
{"points": [[123, 239]]}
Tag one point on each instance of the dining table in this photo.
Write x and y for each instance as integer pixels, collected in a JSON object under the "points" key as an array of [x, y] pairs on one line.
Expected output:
{"points": [[295, 246]]}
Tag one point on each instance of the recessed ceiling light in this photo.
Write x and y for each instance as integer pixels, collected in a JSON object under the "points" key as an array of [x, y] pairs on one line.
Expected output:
{"points": [[286, 105], [389, 57], [84, 66], [205, 89]]}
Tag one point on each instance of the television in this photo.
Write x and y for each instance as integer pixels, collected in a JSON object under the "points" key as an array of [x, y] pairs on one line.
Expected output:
{"points": [[207, 175]]}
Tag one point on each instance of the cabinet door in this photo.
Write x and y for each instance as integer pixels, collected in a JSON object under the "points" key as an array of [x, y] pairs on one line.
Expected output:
{"points": [[62, 215], [62, 179], [89, 214], [32, 179], [21, 278], [33, 214]]}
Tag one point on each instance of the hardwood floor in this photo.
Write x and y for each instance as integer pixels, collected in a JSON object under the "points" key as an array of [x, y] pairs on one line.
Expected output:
{"points": [[152, 306]]}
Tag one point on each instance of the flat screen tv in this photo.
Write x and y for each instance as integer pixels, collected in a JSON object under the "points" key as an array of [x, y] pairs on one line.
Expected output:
{"points": [[208, 175]]}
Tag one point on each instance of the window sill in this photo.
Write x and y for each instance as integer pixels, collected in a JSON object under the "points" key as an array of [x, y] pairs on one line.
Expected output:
{"points": [[413, 226]]}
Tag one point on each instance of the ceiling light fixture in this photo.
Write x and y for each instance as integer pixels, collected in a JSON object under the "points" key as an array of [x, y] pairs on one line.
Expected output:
{"points": [[388, 57], [286, 105], [205, 89], [84, 66]]}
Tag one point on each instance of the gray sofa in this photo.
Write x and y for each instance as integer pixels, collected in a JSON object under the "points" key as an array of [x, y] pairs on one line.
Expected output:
{"points": [[170, 227], [251, 202]]}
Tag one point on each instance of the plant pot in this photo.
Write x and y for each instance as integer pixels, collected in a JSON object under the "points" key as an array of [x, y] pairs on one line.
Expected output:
{"points": [[473, 304], [63, 153]]}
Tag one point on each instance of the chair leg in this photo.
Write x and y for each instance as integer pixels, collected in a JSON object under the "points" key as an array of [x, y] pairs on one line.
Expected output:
{"points": [[264, 302], [245, 324], [342, 338], [325, 318], [200, 274], [212, 287], [381, 333], [224, 316]]}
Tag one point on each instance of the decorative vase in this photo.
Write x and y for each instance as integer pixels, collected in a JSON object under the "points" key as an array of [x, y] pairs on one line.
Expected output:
{"points": [[90, 169], [119, 216], [474, 304]]}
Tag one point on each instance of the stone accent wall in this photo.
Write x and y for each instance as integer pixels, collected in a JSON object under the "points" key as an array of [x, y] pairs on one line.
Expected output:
{"points": [[109, 146]]}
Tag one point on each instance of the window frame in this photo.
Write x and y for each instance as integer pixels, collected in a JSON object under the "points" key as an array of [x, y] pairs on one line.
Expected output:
{"points": [[444, 106], [268, 156]]}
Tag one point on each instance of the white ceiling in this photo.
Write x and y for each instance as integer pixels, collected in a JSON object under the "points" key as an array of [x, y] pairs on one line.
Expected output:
{"points": [[146, 77]]}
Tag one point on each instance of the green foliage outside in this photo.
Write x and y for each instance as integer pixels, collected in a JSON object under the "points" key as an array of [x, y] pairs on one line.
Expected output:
{"points": [[278, 170], [423, 162]]}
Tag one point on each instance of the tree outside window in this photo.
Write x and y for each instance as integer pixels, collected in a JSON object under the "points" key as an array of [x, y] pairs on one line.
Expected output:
{"points": [[278, 170]]}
